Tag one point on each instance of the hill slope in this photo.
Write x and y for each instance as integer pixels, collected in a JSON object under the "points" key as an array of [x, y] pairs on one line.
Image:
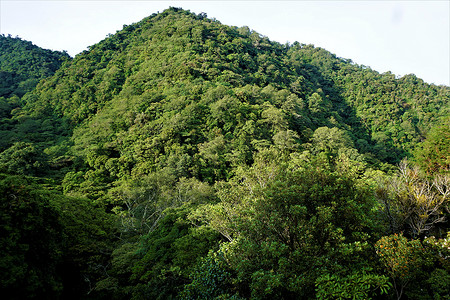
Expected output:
{"points": [[23, 64], [177, 87]]}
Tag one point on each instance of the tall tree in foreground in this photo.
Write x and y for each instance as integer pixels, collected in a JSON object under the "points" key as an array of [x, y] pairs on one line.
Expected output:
{"points": [[292, 225]]}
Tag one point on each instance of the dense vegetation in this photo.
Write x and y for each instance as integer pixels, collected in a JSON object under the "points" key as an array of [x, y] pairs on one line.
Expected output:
{"points": [[22, 66], [183, 158]]}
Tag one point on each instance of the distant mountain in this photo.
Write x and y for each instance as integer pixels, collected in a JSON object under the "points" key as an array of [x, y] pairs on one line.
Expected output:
{"points": [[23, 64]]}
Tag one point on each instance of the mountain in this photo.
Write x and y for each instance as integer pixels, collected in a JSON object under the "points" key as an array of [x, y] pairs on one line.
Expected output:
{"points": [[177, 87], [23, 64], [192, 159]]}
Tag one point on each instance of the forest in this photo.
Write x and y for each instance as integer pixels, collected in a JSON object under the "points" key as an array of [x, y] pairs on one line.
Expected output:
{"points": [[181, 158]]}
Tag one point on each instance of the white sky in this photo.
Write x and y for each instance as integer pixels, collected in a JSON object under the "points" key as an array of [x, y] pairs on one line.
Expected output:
{"points": [[399, 36]]}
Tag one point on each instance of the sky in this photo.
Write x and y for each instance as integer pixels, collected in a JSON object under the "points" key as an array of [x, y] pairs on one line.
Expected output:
{"points": [[403, 37]]}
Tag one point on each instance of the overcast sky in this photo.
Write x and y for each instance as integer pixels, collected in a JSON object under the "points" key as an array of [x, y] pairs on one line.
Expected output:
{"points": [[399, 36]]}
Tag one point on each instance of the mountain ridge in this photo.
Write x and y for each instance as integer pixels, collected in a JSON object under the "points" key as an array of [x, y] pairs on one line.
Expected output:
{"points": [[23, 64]]}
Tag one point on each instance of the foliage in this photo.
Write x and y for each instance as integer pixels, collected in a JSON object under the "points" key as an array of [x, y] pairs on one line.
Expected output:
{"points": [[355, 286], [168, 255], [433, 154], [180, 157], [22, 159], [23, 64], [89, 236], [413, 203], [52, 246], [30, 242], [210, 279], [401, 258], [289, 224]]}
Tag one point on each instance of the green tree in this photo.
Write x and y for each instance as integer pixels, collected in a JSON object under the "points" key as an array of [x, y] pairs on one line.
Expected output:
{"points": [[211, 279], [433, 154], [289, 224], [401, 259], [168, 255], [23, 159]]}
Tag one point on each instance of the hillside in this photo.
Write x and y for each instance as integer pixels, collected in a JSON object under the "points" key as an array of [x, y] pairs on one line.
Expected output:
{"points": [[186, 80], [23, 64], [184, 158]]}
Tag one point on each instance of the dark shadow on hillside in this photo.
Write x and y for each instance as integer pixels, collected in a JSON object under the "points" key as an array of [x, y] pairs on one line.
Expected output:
{"points": [[385, 151]]}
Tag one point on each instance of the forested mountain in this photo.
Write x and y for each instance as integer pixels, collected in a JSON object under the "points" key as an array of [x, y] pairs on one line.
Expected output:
{"points": [[184, 158], [23, 64]]}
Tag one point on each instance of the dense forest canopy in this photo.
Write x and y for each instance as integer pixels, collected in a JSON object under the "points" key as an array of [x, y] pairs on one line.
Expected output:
{"points": [[23, 64], [184, 158]]}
